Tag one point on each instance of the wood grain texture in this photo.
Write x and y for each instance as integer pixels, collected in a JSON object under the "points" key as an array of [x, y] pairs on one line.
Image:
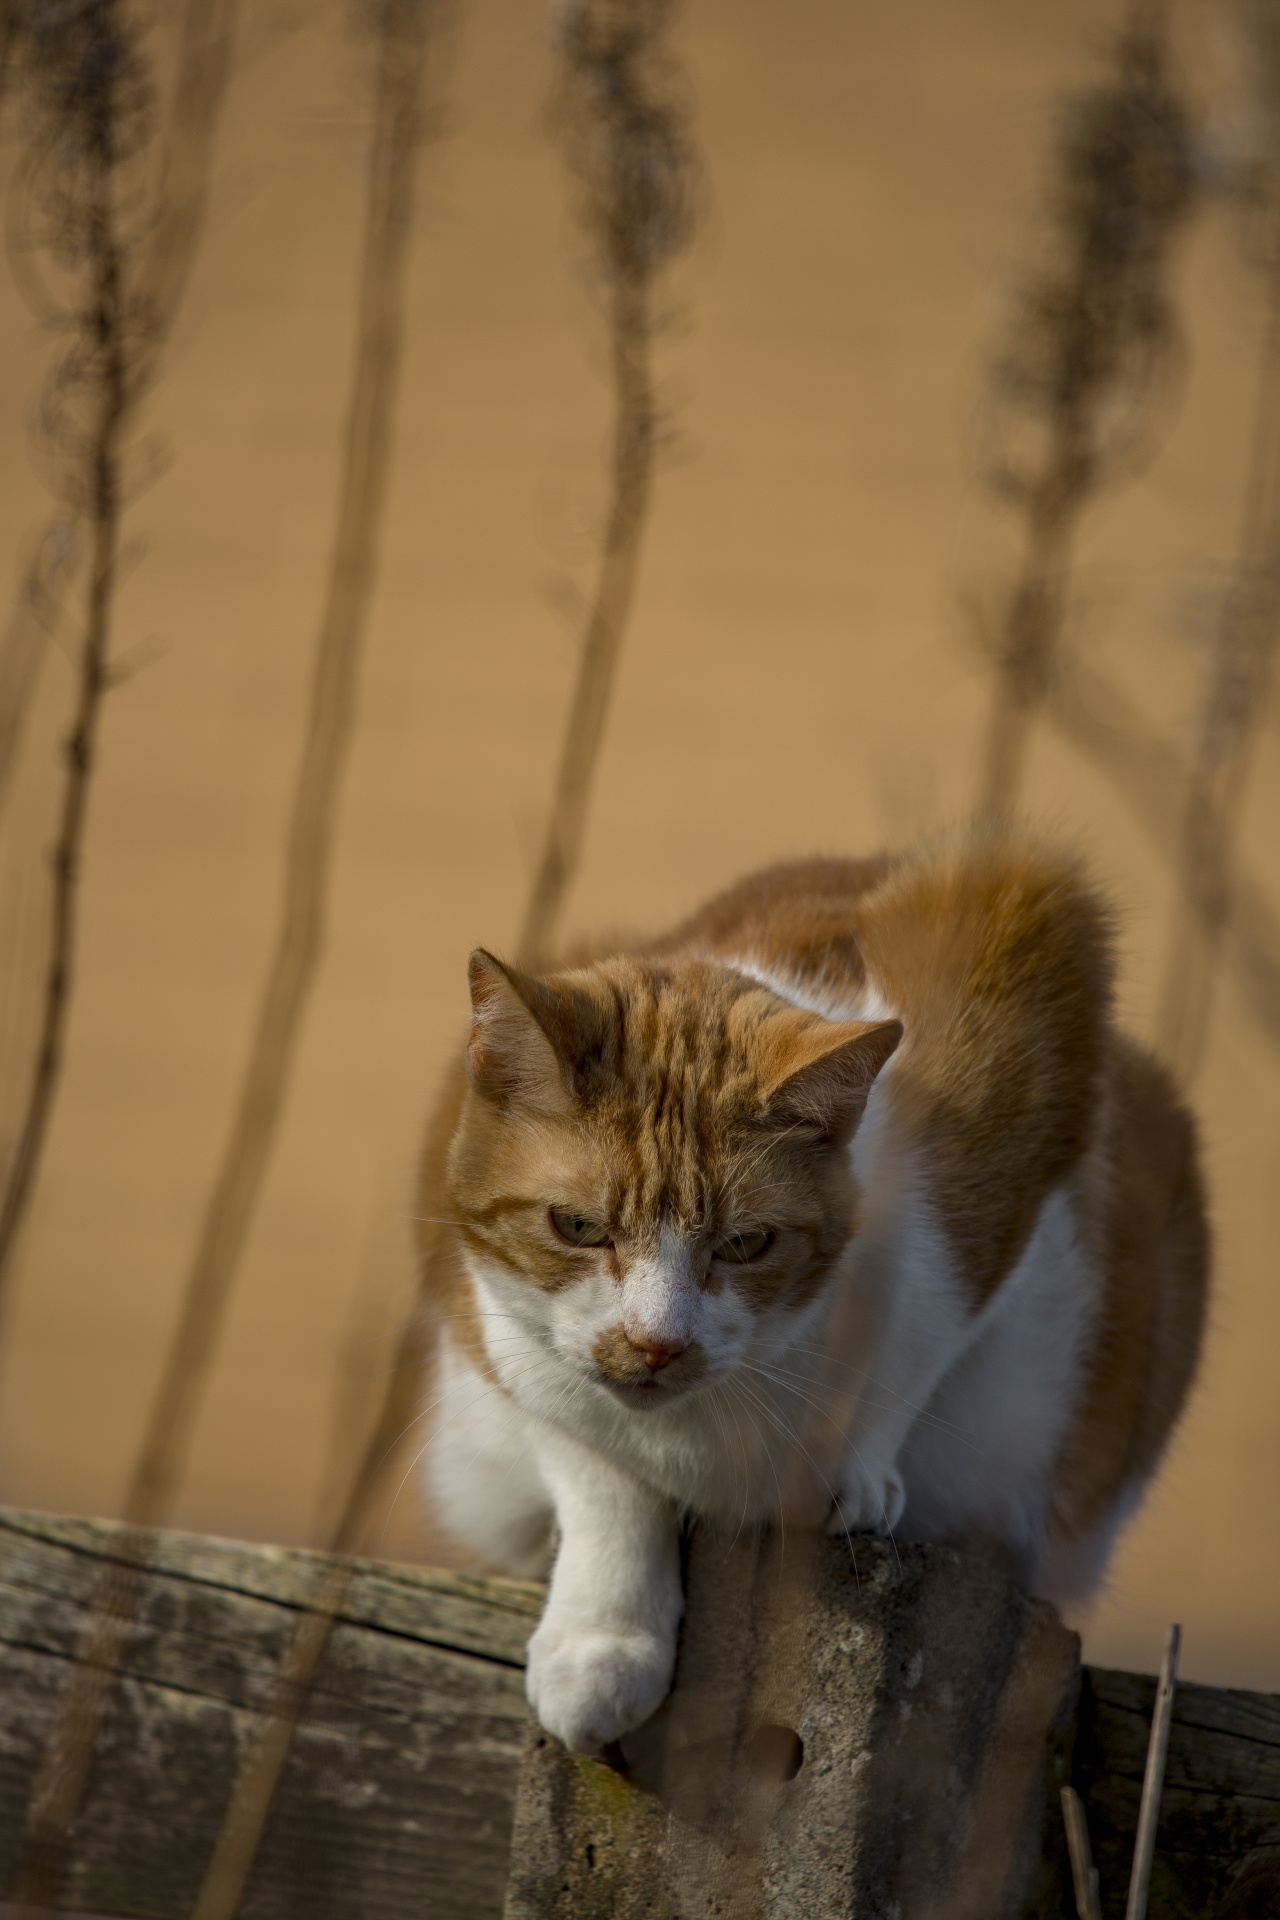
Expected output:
{"points": [[398, 1796], [1221, 1794], [398, 1792]]}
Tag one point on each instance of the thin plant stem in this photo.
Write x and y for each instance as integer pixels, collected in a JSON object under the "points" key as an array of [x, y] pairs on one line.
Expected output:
{"points": [[626, 143], [640, 230], [399, 125], [157, 287], [259, 1773], [1144, 1845], [258, 1776], [22, 650], [132, 315], [1033, 628], [1084, 1875], [92, 103], [105, 328], [58, 1790], [1235, 701], [398, 130], [615, 592], [195, 112]]}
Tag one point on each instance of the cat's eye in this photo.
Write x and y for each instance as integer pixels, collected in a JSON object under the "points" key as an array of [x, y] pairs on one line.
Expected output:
{"points": [[578, 1230], [744, 1246]]}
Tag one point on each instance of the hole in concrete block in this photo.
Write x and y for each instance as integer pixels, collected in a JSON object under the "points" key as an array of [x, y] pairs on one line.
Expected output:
{"points": [[773, 1753]]}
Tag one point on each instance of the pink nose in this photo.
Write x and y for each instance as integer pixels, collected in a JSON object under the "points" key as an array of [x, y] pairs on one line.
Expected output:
{"points": [[656, 1352]]}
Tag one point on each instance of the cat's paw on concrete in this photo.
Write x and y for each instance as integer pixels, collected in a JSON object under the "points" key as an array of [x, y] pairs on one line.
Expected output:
{"points": [[867, 1502], [590, 1686]]}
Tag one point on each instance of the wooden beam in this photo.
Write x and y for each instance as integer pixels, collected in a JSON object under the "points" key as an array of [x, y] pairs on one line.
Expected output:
{"points": [[1221, 1796], [396, 1799]]}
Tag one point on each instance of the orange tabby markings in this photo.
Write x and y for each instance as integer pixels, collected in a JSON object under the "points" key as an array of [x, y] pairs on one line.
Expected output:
{"points": [[866, 1211]]}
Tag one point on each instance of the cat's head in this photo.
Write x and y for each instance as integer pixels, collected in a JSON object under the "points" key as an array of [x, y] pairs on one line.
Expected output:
{"points": [[651, 1158]]}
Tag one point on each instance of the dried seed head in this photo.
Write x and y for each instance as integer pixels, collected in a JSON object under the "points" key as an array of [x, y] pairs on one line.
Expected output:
{"points": [[1094, 330], [625, 132]]}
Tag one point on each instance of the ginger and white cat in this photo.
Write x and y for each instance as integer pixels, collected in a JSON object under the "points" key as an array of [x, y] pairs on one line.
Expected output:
{"points": [[844, 1204]]}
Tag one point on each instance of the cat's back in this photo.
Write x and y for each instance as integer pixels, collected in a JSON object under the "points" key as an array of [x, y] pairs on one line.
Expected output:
{"points": [[795, 923], [976, 918]]}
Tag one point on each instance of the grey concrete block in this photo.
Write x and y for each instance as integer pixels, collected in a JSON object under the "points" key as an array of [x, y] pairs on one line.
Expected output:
{"points": [[852, 1732]]}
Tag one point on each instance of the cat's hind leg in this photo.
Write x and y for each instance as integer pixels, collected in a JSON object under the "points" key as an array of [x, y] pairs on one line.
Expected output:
{"points": [[482, 1479], [1072, 1570]]}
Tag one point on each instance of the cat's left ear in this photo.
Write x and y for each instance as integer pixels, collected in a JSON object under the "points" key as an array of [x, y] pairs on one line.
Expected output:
{"points": [[831, 1070], [529, 1037]]}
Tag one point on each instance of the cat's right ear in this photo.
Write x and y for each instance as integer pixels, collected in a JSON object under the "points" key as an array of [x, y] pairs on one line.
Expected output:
{"points": [[509, 1057]]}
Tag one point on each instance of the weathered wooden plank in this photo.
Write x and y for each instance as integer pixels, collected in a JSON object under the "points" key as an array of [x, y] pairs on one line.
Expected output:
{"points": [[10, 1912], [1222, 1787], [397, 1799], [397, 1796], [490, 1617], [1243, 1728]]}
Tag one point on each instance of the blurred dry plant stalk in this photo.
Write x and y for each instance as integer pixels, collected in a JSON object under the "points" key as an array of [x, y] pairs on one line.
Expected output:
{"points": [[1238, 680], [89, 94], [617, 106], [123, 253], [628, 147], [82, 200], [1189, 805], [1076, 391], [626, 137], [402, 32]]}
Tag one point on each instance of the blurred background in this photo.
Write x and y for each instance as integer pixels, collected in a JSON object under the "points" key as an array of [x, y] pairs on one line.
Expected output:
{"points": [[811, 664]]}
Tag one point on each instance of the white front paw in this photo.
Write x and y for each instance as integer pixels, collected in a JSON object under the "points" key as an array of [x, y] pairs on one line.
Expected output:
{"points": [[867, 1502], [590, 1685]]}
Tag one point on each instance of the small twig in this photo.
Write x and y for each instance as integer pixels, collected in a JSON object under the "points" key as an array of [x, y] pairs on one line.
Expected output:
{"points": [[1153, 1779], [1084, 1875], [627, 144]]}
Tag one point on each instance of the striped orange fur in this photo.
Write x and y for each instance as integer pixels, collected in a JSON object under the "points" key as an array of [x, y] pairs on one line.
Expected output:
{"points": [[845, 1202]]}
